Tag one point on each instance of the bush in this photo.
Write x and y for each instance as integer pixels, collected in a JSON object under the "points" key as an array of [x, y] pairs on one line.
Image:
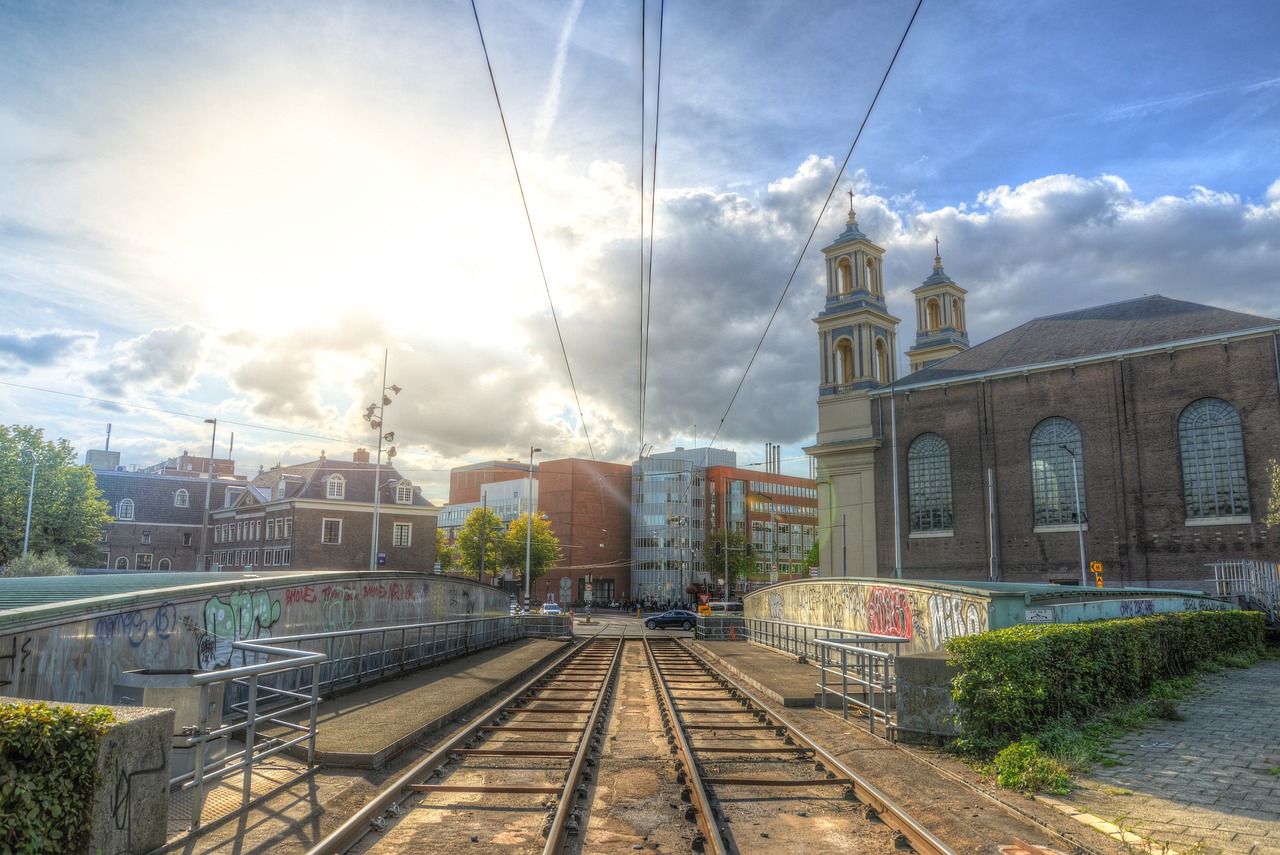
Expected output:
{"points": [[45, 564], [48, 770], [1015, 681], [1023, 766]]}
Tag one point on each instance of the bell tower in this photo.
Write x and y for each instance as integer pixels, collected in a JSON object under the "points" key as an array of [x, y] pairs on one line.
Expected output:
{"points": [[940, 323], [857, 347]]}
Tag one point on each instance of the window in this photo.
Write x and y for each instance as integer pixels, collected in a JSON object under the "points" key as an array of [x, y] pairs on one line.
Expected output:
{"points": [[122, 563], [165, 565], [844, 363], [1057, 473], [124, 511], [932, 315], [142, 561], [1214, 486], [929, 484], [186, 538], [146, 538], [280, 488], [402, 534], [331, 532], [336, 487], [404, 493], [288, 527], [182, 499]]}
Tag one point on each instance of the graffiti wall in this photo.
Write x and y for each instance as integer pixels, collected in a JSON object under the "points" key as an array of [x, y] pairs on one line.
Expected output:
{"points": [[76, 659], [928, 616]]}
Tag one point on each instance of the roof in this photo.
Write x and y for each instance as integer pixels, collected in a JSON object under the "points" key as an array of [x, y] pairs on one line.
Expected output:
{"points": [[310, 481], [153, 495], [1087, 333]]}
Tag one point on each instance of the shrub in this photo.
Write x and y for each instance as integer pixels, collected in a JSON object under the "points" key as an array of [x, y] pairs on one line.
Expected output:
{"points": [[45, 564], [1023, 766], [48, 769]]}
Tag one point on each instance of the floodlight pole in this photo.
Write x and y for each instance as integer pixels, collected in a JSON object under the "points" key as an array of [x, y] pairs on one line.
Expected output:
{"points": [[528, 530], [208, 490], [1075, 488], [31, 495]]}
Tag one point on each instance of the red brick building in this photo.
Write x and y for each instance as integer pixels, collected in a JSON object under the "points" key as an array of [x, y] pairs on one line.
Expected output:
{"points": [[588, 505]]}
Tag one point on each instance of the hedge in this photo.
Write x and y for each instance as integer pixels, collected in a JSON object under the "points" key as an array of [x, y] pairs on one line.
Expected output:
{"points": [[1014, 681], [48, 769]]}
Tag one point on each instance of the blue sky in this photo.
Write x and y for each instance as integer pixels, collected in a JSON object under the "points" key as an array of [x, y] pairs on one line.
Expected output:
{"points": [[232, 210]]}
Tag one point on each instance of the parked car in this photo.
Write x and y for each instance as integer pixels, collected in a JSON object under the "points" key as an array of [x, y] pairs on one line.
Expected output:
{"points": [[675, 617], [551, 609]]}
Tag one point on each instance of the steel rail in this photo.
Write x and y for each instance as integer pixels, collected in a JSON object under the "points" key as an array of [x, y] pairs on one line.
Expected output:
{"points": [[713, 842], [347, 834], [920, 838]]}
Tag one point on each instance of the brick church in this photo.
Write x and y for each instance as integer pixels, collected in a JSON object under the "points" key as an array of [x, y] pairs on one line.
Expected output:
{"points": [[1135, 435]]}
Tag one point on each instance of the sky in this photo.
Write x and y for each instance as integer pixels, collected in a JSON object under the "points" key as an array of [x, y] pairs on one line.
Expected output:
{"points": [[240, 210]]}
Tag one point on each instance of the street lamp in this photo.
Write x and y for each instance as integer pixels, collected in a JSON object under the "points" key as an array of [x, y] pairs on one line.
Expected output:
{"points": [[528, 528], [1075, 488], [208, 489], [375, 422], [31, 494]]}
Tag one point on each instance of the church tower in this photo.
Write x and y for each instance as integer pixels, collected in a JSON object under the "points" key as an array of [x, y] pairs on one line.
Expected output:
{"points": [[857, 347], [940, 324]]}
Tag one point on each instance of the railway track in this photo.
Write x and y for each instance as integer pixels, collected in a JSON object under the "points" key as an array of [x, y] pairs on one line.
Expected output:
{"points": [[626, 745]]}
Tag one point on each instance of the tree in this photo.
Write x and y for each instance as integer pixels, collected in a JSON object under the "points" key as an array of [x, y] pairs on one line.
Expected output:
{"points": [[482, 531], [544, 547], [740, 560], [1273, 504], [68, 513], [811, 557], [445, 553]]}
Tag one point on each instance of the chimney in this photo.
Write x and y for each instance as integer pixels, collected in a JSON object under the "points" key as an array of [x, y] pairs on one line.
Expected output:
{"points": [[361, 456]]}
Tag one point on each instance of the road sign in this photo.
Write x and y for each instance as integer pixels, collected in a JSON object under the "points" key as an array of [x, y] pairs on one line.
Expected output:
{"points": [[703, 599]]}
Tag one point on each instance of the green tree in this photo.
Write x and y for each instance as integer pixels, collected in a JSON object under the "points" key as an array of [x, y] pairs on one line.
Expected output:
{"points": [[740, 560], [481, 533], [544, 547], [444, 552], [811, 558], [67, 510], [1273, 504]]}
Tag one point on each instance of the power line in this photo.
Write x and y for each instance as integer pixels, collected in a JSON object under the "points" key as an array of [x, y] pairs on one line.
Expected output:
{"points": [[646, 283], [532, 234], [818, 220]]}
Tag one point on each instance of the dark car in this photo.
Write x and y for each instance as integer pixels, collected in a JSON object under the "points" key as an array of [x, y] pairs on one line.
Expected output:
{"points": [[675, 617]]}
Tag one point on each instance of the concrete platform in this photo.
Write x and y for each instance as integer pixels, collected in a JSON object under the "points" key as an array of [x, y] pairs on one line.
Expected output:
{"points": [[363, 729], [776, 676]]}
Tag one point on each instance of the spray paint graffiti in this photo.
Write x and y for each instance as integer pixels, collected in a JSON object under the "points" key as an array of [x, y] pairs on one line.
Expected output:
{"points": [[338, 613], [244, 615], [16, 665], [1137, 608], [889, 612], [951, 616], [122, 804], [137, 626]]}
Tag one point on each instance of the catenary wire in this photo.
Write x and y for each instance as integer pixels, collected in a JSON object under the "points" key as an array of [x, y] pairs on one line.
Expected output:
{"points": [[647, 287], [817, 221], [493, 81]]}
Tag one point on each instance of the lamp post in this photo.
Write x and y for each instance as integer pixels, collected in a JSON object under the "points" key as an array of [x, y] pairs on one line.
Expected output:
{"points": [[528, 528], [373, 414], [31, 495], [208, 490], [1075, 488]]}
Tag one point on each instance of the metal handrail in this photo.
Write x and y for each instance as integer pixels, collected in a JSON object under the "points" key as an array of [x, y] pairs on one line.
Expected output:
{"points": [[866, 667]]}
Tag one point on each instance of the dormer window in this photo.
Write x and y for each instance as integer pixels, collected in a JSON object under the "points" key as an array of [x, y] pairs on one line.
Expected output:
{"points": [[124, 511], [336, 487], [280, 488], [404, 493], [182, 499]]}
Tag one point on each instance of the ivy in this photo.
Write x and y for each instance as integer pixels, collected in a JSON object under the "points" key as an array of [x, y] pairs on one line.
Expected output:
{"points": [[1014, 682], [48, 770]]}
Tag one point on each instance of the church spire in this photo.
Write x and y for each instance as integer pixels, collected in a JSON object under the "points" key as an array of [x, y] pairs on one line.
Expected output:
{"points": [[940, 318]]}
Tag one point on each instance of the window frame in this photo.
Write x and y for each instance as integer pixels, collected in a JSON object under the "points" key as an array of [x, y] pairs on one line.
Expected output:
{"points": [[396, 529], [325, 529], [930, 490], [1053, 505], [1210, 450]]}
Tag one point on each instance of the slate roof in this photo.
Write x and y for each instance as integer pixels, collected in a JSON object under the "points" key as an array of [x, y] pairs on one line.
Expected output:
{"points": [[1080, 335], [310, 481], [152, 496]]}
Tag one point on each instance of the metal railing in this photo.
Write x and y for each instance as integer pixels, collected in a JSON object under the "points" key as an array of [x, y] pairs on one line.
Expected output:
{"points": [[1252, 583], [864, 666], [798, 639], [284, 703]]}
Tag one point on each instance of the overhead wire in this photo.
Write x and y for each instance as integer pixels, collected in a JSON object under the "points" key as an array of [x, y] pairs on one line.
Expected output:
{"points": [[646, 288], [817, 221], [493, 81]]}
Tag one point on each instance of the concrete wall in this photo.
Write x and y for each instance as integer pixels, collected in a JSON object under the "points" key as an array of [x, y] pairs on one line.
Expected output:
{"points": [[131, 801], [76, 654]]}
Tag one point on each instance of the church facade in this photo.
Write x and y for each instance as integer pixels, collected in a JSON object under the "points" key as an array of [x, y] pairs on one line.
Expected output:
{"points": [[1134, 436]]}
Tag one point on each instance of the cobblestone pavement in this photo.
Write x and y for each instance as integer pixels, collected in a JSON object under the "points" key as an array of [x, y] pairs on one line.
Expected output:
{"points": [[1210, 781]]}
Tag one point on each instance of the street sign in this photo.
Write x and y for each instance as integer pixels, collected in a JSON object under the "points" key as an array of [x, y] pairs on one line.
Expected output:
{"points": [[382, 558], [703, 599]]}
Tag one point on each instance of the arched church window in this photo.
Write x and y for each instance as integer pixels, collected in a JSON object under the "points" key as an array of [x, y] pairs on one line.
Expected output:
{"points": [[871, 276], [844, 276], [1057, 473], [122, 563], [929, 484], [932, 315], [844, 361], [882, 362], [1213, 474], [956, 320]]}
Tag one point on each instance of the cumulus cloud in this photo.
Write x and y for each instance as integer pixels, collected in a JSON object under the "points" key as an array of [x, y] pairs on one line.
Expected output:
{"points": [[22, 350], [160, 359]]}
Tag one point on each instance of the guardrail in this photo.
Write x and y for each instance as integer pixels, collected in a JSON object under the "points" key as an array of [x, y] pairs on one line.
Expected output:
{"points": [[1250, 583], [866, 673]]}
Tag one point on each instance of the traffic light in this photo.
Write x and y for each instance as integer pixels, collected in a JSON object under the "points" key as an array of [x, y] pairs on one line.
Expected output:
{"points": [[719, 549], [749, 550]]}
